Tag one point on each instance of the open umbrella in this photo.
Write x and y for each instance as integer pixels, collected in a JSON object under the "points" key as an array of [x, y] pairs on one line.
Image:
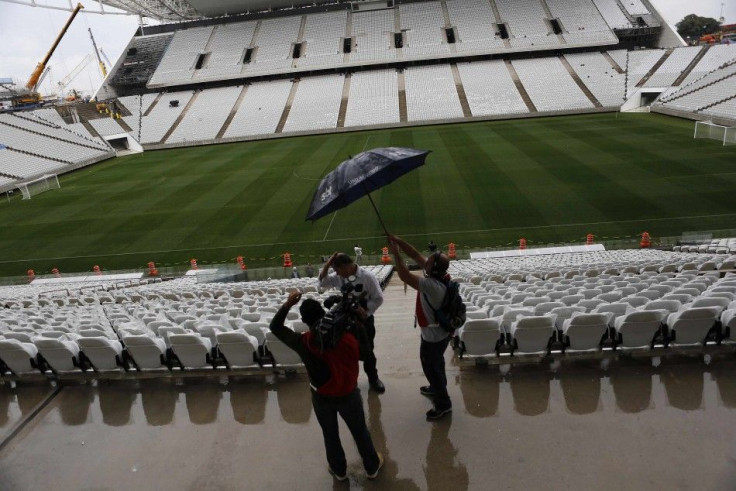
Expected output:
{"points": [[358, 176]]}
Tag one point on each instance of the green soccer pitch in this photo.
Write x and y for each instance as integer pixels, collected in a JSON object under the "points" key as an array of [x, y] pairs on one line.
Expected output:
{"points": [[550, 180]]}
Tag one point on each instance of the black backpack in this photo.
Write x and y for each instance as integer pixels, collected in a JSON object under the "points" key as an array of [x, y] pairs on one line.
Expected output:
{"points": [[451, 314]]}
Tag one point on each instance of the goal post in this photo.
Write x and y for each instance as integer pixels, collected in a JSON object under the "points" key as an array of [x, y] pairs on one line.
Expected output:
{"points": [[724, 134], [39, 185]]}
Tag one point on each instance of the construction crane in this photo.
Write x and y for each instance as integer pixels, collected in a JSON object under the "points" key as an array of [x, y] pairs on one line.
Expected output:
{"points": [[103, 68], [32, 96], [105, 57], [64, 82]]}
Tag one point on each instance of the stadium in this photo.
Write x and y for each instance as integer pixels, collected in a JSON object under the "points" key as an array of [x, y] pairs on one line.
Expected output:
{"points": [[580, 176]]}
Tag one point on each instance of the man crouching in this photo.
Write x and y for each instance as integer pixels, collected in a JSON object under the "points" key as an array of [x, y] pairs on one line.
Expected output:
{"points": [[333, 377]]}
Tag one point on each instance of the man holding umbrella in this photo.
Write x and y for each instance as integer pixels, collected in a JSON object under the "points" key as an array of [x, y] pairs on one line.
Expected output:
{"points": [[430, 293], [348, 182], [347, 271]]}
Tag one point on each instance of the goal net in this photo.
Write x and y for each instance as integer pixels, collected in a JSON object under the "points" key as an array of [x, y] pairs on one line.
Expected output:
{"points": [[724, 134], [38, 186]]}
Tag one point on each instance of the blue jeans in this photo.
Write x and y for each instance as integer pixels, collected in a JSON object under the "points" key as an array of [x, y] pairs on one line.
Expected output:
{"points": [[350, 408]]}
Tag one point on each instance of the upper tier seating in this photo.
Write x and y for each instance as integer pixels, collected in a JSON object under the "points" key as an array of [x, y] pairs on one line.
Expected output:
{"points": [[635, 7], [581, 22], [227, 48], [323, 34], [423, 23], [373, 33], [612, 13], [473, 20], [273, 43], [198, 54], [527, 26], [178, 62]]}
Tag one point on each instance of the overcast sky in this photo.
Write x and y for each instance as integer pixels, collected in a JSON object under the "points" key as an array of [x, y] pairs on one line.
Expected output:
{"points": [[26, 33]]}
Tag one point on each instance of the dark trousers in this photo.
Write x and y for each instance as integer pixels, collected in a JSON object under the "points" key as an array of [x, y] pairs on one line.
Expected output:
{"points": [[369, 359], [432, 356], [350, 408]]}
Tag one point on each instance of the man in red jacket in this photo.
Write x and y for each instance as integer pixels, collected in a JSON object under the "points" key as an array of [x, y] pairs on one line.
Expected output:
{"points": [[333, 377]]}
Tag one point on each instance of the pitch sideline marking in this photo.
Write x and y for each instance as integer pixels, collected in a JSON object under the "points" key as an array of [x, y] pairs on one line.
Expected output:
{"points": [[352, 239]]}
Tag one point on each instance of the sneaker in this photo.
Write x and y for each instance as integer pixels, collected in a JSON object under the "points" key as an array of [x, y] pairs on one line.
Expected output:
{"points": [[434, 413], [336, 475], [426, 390], [380, 464]]}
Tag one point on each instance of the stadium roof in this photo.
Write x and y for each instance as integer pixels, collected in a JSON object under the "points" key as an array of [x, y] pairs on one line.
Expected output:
{"points": [[178, 10]]}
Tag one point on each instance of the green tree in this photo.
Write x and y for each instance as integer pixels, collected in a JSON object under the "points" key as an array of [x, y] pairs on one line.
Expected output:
{"points": [[694, 26]]}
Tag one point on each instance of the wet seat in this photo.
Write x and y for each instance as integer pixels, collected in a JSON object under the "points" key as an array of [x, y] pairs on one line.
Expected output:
{"points": [[103, 353], [19, 357], [585, 331], [238, 348], [480, 337]]}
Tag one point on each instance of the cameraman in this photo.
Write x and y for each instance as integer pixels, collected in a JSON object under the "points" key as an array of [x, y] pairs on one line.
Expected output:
{"points": [[333, 377], [344, 269], [430, 294]]}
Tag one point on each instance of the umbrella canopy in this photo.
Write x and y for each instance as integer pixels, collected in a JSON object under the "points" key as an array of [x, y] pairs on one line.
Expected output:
{"points": [[360, 175]]}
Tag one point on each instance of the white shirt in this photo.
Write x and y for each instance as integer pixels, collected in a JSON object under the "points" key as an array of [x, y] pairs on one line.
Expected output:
{"points": [[374, 295], [358, 251]]}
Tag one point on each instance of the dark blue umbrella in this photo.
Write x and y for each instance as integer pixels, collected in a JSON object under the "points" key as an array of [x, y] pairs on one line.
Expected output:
{"points": [[360, 175]]}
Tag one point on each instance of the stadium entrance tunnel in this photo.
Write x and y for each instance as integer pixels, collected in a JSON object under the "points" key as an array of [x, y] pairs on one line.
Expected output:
{"points": [[124, 144], [641, 98]]}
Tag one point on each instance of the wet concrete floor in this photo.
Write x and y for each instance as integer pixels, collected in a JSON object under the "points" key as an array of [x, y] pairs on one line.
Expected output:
{"points": [[580, 425]]}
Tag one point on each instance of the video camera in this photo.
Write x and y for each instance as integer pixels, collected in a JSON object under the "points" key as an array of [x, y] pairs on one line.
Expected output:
{"points": [[342, 315]]}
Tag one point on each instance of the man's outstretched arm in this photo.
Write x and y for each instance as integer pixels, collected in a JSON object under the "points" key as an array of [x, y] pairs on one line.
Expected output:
{"points": [[402, 268], [279, 329], [409, 249]]}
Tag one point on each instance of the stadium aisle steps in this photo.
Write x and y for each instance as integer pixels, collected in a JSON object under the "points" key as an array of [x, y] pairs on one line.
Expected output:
{"points": [[153, 104], [181, 116], [124, 125], [613, 62], [344, 101], [626, 12], [233, 111], [690, 67], [461, 91], [287, 107], [520, 87], [656, 66], [403, 111], [580, 83], [499, 19], [91, 129]]}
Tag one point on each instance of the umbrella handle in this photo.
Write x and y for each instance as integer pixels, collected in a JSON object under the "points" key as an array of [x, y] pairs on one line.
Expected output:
{"points": [[377, 213]]}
